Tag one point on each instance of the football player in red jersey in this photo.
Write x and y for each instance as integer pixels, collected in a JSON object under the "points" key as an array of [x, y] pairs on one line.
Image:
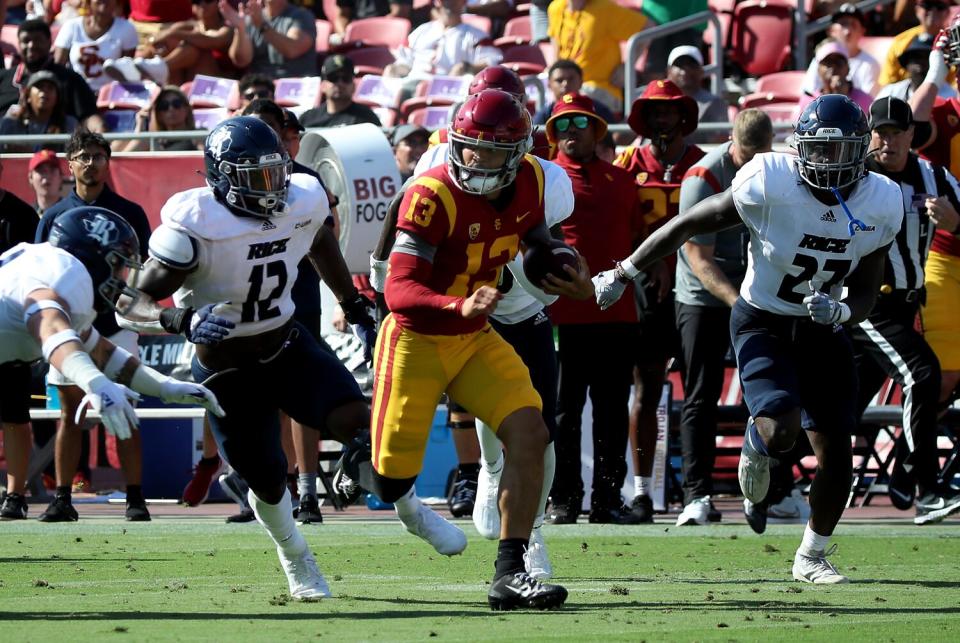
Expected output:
{"points": [[664, 115], [940, 143], [493, 77]]}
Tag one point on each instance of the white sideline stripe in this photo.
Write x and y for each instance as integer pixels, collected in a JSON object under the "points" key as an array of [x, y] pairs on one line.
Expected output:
{"points": [[145, 414], [903, 369]]}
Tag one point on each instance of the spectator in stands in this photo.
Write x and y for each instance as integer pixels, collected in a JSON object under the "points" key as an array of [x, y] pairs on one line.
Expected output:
{"points": [[350, 10], [33, 40], [87, 42], [150, 17], [916, 60], [339, 108], [586, 32], [409, 142], [834, 72], [597, 231], [710, 268], [933, 16], [40, 111], [89, 158], [254, 86], [18, 221], [661, 12], [197, 46], [278, 41], [444, 46], [539, 21], [169, 112], [45, 176], [685, 68], [848, 27], [565, 77]]}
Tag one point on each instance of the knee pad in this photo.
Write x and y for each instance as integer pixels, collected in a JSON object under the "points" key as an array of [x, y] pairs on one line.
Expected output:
{"points": [[391, 489]]}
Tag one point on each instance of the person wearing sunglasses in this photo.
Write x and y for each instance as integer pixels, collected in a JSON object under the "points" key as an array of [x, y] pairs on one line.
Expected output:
{"points": [[598, 232], [170, 112], [339, 108], [252, 87], [933, 15]]}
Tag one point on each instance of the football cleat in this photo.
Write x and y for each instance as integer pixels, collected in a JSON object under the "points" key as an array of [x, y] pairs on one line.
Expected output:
{"points": [[60, 510], [444, 536], [308, 512], [137, 511], [486, 510], [817, 569], [197, 490], [463, 495], [304, 578], [714, 515], [536, 560], [695, 512], [756, 515], [642, 508], [562, 515], [245, 515], [934, 507], [520, 590], [346, 487], [14, 507], [792, 508], [753, 471]]}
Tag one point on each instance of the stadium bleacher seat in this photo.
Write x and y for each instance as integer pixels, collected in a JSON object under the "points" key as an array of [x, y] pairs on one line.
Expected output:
{"points": [[781, 83], [439, 90], [298, 92], [377, 91], [482, 23], [387, 116], [369, 60], [208, 118], [877, 46], [548, 50], [377, 32], [778, 108], [430, 117], [760, 36], [211, 91], [517, 31], [524, 59], [723, 10], [131, 96], [324, 29], [120, 120]]}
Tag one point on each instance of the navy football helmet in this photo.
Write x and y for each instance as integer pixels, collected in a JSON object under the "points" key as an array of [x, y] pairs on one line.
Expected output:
{"points": [[832, 138], [106, 245], [247, 167]]}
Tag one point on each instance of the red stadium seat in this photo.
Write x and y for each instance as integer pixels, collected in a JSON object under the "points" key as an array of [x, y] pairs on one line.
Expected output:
{"points": [[517, 31], [324, 29], [548, 50], [430, 117], [370, 60], [482, 23], [781, 83], [377, 32], [524, 59], [760, 36], [439, 90], [779, 108], [374, 91], [878, 46]]}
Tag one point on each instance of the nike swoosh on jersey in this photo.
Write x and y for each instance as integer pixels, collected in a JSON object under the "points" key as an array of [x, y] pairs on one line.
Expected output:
{"points": [[521, 217]]}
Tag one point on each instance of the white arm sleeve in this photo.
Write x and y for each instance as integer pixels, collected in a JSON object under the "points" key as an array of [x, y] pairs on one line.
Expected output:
{"points": [[174, 248], [558, 193]]}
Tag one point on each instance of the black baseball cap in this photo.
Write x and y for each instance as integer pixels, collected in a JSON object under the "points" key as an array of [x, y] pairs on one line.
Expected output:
{"points": [[849, 9], [919, 46], [291, 121], [334, 64], [890, 111]]}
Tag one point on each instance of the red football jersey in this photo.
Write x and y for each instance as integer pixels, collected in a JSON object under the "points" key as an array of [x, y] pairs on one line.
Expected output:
{"points": [[945, 151], [474, 241], [658, 186]]}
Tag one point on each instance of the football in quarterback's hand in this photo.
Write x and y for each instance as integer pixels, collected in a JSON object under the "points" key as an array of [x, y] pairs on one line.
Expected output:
{"points": [[539, 260]]}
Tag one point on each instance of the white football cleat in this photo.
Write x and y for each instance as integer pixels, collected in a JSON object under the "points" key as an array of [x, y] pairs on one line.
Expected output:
{"points": [[793, 508], [695, 512], [444, 536], [486, 510], [753, 471], [536, 560], [304, 578], [817, 569]]}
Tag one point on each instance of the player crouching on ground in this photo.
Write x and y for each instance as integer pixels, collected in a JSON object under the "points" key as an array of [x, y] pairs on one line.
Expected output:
{"points": [[229, 253], [51, 292], [806, 242]]}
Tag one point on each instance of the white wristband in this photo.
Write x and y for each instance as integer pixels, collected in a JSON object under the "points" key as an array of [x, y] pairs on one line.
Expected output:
{"points": [[148, 381], [378, 273], [80, 369], [630, 270], [114, 365], [58, 339]]}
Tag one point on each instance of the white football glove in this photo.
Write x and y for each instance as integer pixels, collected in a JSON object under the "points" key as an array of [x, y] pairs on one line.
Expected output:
{"points": [[608, 288], [176, 392], [112, 402], [378, 273], [824, 309]]}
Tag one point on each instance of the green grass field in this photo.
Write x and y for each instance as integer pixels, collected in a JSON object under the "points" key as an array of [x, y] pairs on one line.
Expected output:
{"points": [[200, 579]]}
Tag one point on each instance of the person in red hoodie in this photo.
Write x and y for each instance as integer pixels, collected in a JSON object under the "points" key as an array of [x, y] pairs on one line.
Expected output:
{"points": [[598, 232]]}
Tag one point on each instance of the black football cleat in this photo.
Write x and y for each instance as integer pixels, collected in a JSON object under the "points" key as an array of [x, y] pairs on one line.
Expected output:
{"points": [[60, 510], [522, 591], [642, 508], [308, 513], [14, 507], [756, 515], [346, 485], [137, 510], [463, 495], [245, 515]]}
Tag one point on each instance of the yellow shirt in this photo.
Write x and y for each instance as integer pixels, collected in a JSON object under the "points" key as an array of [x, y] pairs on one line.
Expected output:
{"points": [[892, 70], [590, 37]]}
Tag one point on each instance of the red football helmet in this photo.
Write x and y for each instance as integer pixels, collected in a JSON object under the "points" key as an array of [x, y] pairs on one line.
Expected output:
{"points": [[498, 77], [490, 120], [948, 41]]}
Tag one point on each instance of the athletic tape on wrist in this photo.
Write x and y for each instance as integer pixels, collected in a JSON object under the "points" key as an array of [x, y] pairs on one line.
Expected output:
{"points": [[629, 269], [118, 358], [148, 381], [43, 304], [58, 339], [80, 369]]}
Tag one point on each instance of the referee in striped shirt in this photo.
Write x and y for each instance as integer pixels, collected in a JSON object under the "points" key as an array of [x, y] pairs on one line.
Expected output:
{"points": [[887, 343]]}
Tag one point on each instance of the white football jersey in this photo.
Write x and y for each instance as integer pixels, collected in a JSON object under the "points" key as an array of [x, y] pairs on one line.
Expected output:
{"points": [[27, 267], [796, 239], [519, 304], [249, 262]]}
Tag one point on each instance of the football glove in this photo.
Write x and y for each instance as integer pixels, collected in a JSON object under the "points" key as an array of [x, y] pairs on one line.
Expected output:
{"points": [[356, 310], [112, 402], [176, 392], [207, 328], [824, 309], [608, 288]]}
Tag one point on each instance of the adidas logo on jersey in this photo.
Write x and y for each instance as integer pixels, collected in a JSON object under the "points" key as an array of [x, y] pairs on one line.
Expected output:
{"points": [[828, 217], [267, 225]]}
